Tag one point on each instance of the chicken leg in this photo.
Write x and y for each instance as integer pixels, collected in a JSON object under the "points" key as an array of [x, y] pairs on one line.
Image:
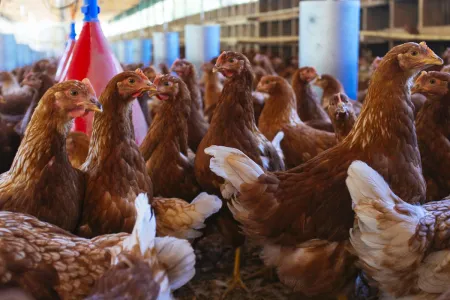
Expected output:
{"points": [[236, 281]]}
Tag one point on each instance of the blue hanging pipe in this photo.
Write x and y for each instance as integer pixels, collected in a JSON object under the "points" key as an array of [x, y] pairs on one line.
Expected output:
{"points": [[72, 34], [90, 9]]}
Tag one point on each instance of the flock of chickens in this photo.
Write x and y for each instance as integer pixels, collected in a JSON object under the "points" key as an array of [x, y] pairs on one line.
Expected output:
{"points": [[340, 194]]}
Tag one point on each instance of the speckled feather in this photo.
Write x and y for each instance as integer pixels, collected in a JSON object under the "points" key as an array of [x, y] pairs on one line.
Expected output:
{"points": [[49, 262]]}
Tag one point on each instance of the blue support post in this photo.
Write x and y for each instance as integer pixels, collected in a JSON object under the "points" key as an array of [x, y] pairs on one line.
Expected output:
{"points": [[329, 40], [146, 52], [166, 47], [202, 43]]}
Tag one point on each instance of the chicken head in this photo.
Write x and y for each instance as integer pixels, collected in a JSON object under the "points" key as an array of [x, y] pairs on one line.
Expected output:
{"points": [[307, 74], [322, 81], [432, 84], [150, 72], [73, 98], [340, 107], [416, 57], [135, 85], [231, 63], [167, 87], [268, 84], [182, 67], [32, 79]]}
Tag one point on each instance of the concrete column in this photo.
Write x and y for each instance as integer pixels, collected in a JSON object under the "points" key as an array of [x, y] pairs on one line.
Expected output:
{"points": [[166, 47], [202, 43], [329, 39]]}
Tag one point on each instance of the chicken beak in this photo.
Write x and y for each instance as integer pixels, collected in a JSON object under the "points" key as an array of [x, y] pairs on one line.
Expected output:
{"points": [[94, 105], [2, 100], [432, 59], [415, 89], [215, 69], [150, 89]]}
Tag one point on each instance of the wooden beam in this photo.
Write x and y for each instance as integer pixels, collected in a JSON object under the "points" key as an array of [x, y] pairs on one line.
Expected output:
{"points": [[373, 3], [277, 15], [400, 36]]}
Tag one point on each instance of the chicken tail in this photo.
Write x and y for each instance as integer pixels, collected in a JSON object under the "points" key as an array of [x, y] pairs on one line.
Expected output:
{"points": [[384, 236], [178, 257], [276, 142], [234, 166], [144, 230], [184, 218], [205, 205]]}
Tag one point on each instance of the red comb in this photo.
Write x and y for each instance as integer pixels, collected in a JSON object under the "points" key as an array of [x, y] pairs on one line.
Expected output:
{"points": [[141, 74], [157, 79], [424, 45], [87, 82], [219, 59]]}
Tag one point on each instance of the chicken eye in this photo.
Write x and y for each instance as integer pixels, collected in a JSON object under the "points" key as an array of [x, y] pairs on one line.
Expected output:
{"points": [[267, 81], [432, 81], [131, 80], [166, 83], [231, 60], [414, 53], [74, 93]]}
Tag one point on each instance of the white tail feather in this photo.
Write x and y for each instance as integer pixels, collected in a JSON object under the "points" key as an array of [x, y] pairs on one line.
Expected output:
{"points": [[178, 258], [233, 165], [205, 206], [276, 142], [144, 230], [383, 231]]}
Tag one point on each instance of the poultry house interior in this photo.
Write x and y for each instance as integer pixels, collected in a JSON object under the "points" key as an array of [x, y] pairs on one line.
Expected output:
{"points": [[233, 150]]}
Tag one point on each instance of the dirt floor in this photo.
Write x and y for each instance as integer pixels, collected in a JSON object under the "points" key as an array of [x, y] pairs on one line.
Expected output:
{"points": [[214, 267]]}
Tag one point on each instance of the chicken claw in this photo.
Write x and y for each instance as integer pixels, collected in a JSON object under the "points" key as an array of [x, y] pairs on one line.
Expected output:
{"points": [[236, 281]]}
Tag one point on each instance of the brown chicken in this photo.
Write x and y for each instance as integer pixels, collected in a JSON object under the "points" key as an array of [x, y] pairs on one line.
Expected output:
{"points": [[300, 142], [145, 98], [197, 124], [303, 216], [39, 83], [433, 132], [233, 125], [213, 89], [152, 106], [41, 181], [115, 168], [165, 148], [308, 106], [331, 86], [50, 263], [342, 115]]}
